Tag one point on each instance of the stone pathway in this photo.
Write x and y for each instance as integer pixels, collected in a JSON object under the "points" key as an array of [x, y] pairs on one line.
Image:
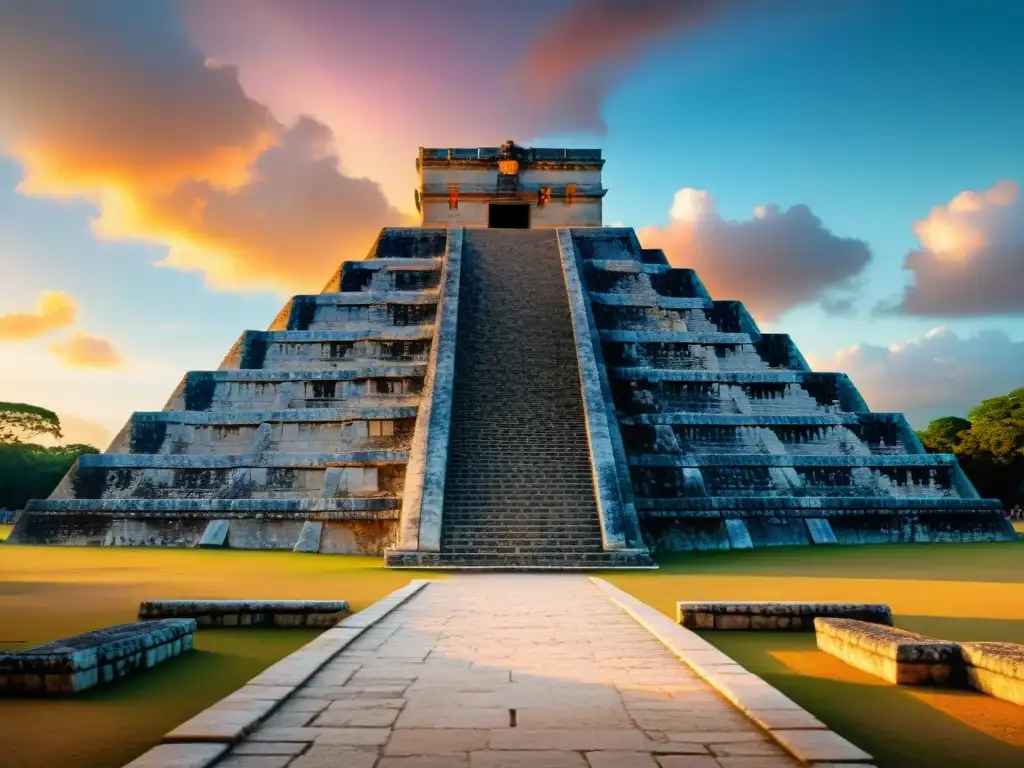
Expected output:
{"points": [[489, 671]]}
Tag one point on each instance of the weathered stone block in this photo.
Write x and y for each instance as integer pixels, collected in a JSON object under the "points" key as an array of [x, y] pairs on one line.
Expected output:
{"points": [[901, 657], [996, 669], [215, 535], [249, 613], [309, 537], [775, 615], [83, 661]]}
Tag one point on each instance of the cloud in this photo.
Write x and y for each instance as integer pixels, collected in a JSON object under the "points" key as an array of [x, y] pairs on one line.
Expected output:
{"points": [[542, 70], [937, 374], [54, 311], [773, 262], [84, 351], [295, 220], [580, 53], [971, 260], [111, 101]]}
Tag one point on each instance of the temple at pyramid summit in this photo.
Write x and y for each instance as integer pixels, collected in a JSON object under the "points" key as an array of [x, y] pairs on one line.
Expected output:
{"points": [[512, 385]]}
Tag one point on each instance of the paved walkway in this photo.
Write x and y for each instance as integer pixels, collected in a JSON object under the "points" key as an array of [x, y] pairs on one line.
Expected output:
{"points": [[517, 671]]}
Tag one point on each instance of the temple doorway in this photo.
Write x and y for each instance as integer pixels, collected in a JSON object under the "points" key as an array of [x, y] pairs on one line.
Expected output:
{"points": [[508, 215]]}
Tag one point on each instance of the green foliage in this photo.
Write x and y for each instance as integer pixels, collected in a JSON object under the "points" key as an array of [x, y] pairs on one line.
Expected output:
{"points": [[942, 435], [997, 429], [30, 471], [989, 445], [20, 422]]}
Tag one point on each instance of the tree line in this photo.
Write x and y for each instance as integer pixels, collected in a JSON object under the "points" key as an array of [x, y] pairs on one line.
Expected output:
{"points": [[29, 470], [989, 444]]}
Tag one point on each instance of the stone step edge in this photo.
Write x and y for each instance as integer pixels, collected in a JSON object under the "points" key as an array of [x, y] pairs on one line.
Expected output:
{"points": [[795, 729], [396, 553], [524, 568], [203, 739]]}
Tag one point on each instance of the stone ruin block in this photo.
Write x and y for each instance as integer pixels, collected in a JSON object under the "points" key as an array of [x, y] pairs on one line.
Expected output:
{"points": [[896, 655], [248, 613], [996, 669], [788, 616], [77, 663]]}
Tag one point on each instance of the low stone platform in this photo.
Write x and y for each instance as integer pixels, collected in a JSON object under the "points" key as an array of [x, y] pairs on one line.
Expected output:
{"points": [[249, 613], [901, 657], [83, 661], [775, 616], [996, 669]]}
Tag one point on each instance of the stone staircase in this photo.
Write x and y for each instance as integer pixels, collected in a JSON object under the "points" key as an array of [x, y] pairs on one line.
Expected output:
{"points": [[519, 490]]}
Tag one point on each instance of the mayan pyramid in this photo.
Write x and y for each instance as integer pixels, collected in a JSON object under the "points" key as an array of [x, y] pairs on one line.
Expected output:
{"points": [[512, 385]]}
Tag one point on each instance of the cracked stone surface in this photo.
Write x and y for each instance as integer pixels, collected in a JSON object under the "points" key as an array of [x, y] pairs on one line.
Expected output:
{"points": [[496, 671]]}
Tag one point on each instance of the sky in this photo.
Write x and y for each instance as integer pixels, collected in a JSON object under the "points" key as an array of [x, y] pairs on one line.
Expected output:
{"points": [[172, 171]]}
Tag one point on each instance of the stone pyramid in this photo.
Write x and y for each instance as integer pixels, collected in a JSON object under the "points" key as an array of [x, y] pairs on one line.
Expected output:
{"points": [[554, 398]]}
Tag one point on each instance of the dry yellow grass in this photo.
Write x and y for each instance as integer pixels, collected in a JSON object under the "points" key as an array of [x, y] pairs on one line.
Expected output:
{"points": [[957, 592], [51, 592]]}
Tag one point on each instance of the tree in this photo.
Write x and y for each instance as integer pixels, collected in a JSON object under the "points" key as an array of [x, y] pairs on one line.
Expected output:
{"points": [[942, 435], [21, 422], [989, 445], [30, 471], [997, 429]]}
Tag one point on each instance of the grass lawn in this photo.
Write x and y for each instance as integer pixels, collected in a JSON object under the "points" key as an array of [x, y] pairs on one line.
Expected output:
{"points": [[51, 592], [955, 592]]}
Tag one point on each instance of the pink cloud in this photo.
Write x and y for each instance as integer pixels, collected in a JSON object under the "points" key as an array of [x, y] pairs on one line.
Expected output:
{"points": [[773, 262]]}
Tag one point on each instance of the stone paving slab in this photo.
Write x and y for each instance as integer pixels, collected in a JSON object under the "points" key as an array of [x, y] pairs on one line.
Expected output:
{"points": [[504, 670], [199, 741], [787, 723]]}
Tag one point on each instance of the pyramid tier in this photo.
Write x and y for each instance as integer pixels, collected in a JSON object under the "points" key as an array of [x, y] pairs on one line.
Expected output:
{"points": [[357, 311], [806, 395], [660, 315], [356, 385], [310, 430], [296, 350], [851, 434]]}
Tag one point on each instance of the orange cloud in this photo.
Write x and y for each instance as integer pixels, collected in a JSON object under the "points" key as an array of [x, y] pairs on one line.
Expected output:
{"points": [[772, 262], [85, 351], [116, 105], [54, 311], [971, 260]]}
